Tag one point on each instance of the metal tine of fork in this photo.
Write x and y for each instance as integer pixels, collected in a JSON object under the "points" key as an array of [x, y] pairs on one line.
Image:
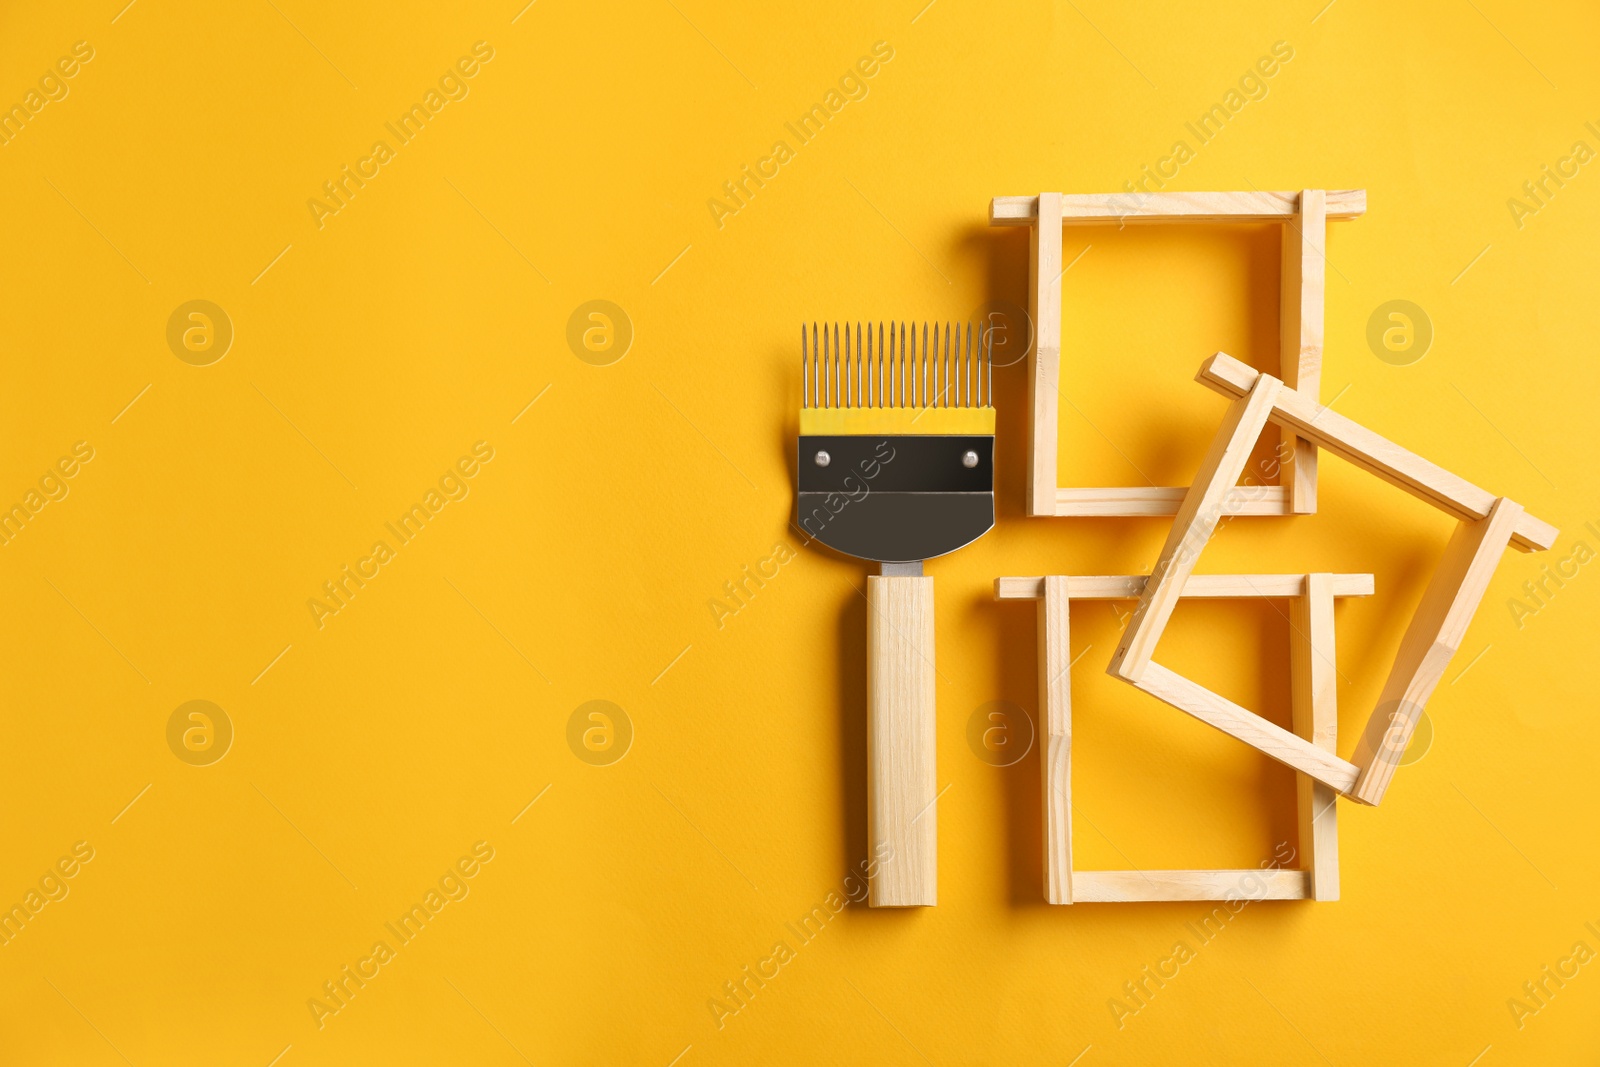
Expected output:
{"points": [[836, 371], [849, 395], [866, 367], [869, 365], [917, 367], [902, 399], [967, 378], [881, 401], [852, 391], [816, 370], [863, 380], [892, 401], [898, 368], [900, 386], [885, 364], [853, 379], [812, 384], [874, 368], [863, 369], [922, 397], [942, 365], [827, 370], [946, 365], [805, 371], [961, 373], [941, 370], [944, 368]]}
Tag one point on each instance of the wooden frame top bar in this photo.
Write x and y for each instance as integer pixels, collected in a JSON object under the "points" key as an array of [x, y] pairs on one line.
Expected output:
{"points": [[1082, 208], [1354, 442], [1207, 586]]}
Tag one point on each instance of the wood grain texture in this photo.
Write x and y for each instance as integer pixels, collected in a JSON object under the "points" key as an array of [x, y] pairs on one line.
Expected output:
{"points": [[1161, 501], [1115, 887], [901, 783], [1055, 738], [1372, 452], [1253, 206], [1432, 638], [1273, 740], [1204, 586], [1300, 321], [1044, 378], [1203, 508], [1314, 702]]}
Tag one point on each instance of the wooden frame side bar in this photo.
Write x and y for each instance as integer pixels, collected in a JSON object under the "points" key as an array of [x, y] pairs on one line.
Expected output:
{"points": [[1055, 736], [1044, 377], [1371, 452], [1431, 640], [1197, 519], [1136, 207], [1314, 702], [1300, 317]]}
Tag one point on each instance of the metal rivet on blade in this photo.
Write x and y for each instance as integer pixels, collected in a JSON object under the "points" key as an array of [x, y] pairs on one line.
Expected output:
{"points": [[969, 459], [823, 459]]}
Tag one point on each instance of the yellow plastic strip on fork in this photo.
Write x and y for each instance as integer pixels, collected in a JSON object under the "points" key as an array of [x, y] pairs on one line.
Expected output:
{"points": [[867, 422]]}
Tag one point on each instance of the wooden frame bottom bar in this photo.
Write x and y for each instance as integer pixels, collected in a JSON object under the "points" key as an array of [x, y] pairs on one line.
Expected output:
{"points": [[1121, 887], [1164, 501]]}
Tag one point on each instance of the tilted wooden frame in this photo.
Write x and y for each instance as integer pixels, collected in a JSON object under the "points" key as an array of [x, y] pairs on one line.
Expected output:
{"points": [[1305, 216], [1488, 524], [1314, 704]]}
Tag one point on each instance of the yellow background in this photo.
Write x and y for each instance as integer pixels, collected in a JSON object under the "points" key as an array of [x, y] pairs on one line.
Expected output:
{"points": [[373, 352]]}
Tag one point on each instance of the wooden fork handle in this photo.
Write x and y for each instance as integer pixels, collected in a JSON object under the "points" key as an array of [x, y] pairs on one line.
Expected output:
{"points": [[902, 818]]}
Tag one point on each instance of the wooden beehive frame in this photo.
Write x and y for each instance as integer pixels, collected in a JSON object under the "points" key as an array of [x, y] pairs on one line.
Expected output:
{"points": [[1487, 525], [1314, 703], [1304, 216]]}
